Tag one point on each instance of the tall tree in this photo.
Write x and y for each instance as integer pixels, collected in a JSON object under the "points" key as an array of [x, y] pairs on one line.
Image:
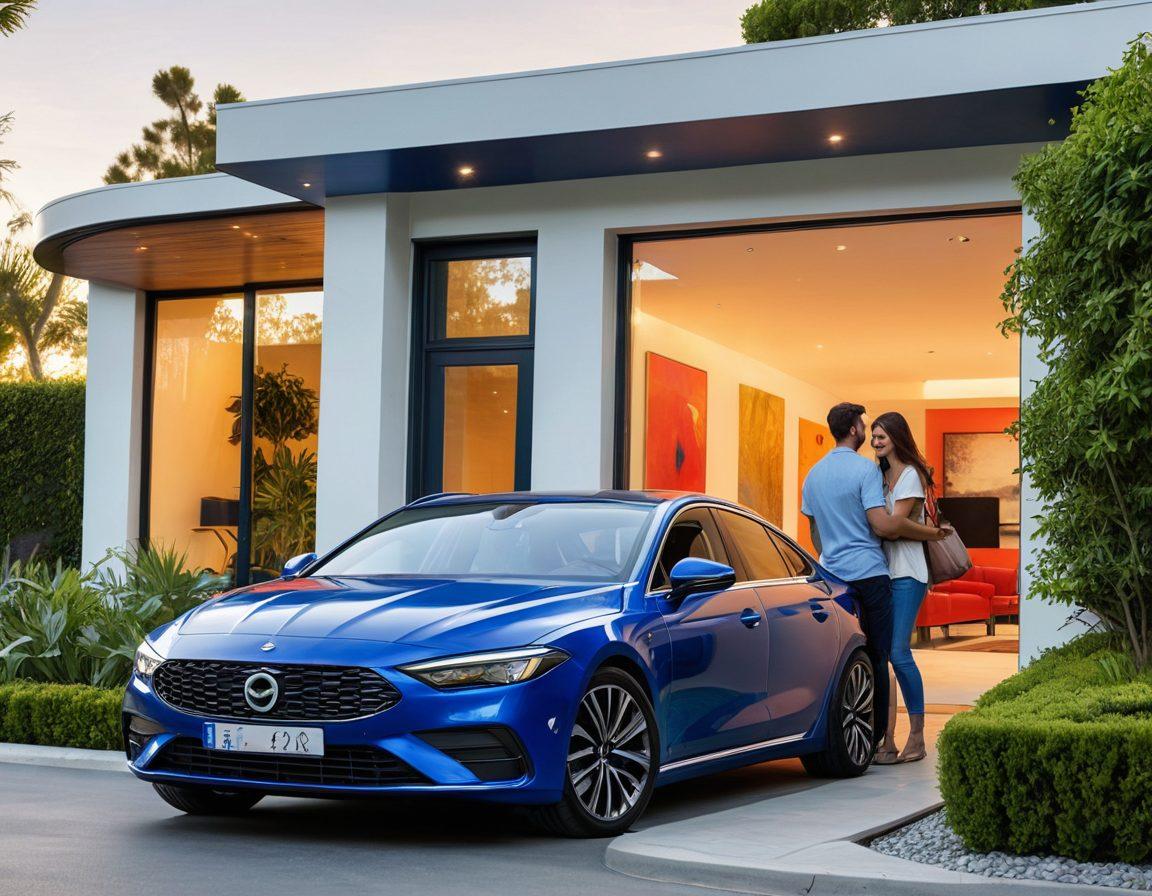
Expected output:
{"points": [[770, 20], [14, 14], [38, 307], [184, 143]]}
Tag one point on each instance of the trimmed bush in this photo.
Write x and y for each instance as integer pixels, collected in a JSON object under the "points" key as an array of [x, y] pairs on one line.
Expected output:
{"points": [[60, 715], [1056, 759], [42, 465]]}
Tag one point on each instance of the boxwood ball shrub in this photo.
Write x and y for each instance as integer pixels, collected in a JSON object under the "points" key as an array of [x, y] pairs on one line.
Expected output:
{"points": [[1056, 759], [42, 465]]}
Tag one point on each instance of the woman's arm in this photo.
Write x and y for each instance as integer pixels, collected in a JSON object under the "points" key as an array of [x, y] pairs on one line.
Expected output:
{"points": [[906, 508]]}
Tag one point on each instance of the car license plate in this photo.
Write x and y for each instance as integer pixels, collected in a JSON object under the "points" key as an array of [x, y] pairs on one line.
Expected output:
{"points": [[232, 737]]}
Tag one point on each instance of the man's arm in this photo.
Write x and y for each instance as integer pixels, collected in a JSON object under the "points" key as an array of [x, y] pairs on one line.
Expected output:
{"points": [[892, 527], [815, 534]]}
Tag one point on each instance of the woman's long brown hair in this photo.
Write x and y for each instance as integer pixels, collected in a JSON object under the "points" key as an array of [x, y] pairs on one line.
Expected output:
{"points": [[903, 444]]}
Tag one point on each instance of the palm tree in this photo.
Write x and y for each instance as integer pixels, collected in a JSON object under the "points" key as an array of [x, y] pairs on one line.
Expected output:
{"points": [[39, 307], [14, 14]]}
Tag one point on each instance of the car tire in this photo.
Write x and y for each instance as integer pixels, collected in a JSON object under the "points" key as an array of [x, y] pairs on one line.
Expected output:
{"points": [[207, 801], [851, 724], [612, 761]]}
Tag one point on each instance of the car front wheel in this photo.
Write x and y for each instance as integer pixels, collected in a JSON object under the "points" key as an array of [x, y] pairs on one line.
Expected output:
{"points": [[612, 760], [851, 724], [207, 801]]}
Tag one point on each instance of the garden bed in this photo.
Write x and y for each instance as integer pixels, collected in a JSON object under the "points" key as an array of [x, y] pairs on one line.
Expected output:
{"points": [[1056, 760]]}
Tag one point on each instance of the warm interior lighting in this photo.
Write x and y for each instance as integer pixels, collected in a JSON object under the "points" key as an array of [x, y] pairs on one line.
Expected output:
{"points": [[465, 170], [991, 387], [306, 184], [235, 226], [141, 248], [654, 153], [643, 270], [835, 138], [841, 248]]}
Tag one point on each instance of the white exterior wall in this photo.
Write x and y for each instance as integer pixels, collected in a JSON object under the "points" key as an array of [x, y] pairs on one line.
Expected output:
{"points": [[113, 411], [363, 439]]}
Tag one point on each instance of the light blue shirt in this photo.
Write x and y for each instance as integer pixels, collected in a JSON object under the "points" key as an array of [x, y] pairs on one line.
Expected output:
{"points": [[837, 493]]}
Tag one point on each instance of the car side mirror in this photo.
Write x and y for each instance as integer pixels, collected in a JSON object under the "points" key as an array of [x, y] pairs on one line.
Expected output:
{"points": [[694, 574], [297, 564]]}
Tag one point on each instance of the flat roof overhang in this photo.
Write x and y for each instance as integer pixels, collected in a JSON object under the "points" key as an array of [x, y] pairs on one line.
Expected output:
{"points": [[987, 80]]}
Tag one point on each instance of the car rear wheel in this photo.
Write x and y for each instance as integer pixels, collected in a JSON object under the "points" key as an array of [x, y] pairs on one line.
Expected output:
{"points": [[206, 800], [612, 760], [851, 724]]}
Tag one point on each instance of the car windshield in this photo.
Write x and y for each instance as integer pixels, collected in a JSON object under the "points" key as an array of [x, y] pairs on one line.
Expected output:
{"points": [[585, 541]]}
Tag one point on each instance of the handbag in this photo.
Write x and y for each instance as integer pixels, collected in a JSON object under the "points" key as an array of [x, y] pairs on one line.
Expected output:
{"points": [[947, 558]]}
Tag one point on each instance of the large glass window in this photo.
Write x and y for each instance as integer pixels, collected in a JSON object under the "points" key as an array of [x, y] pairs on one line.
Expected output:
{"points": [[473, 368], [194, 470], [235, 385]]}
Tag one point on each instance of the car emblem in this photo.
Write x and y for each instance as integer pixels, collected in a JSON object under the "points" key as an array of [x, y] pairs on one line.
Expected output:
{"points": [[267, 645], [261, 691]]}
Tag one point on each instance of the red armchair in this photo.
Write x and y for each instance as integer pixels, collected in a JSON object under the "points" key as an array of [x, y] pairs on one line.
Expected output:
{"points": [[944, 608], [998, 584]]}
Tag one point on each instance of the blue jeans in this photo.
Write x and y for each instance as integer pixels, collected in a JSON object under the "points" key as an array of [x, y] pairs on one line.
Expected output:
{"points": [[907, 595]]}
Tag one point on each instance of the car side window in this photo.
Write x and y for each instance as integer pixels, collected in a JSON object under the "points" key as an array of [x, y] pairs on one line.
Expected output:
{"points": [[800, 564], [692, 534], [762, 561]]}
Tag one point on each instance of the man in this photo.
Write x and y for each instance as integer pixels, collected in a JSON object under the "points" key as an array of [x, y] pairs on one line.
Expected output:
{"points": [[843, 498]]}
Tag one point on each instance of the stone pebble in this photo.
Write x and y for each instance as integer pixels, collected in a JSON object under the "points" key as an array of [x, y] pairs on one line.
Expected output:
{"points": [[932, 842]]}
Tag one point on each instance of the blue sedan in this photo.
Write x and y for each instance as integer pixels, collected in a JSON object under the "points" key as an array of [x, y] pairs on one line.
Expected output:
{"points": [[566, 652]]}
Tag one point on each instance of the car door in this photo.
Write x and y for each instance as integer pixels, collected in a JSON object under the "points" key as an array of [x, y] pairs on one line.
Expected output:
{"points": [[719, 648], [803, 640]]}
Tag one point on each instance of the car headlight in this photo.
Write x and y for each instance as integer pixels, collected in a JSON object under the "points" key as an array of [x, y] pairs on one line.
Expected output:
{"points": [[147, 659], [487, 669]]}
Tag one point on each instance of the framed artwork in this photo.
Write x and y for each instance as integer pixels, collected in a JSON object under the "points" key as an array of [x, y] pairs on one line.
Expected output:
{"points": [[760, 473], [815, 442], [983, 465], [676, 425]]}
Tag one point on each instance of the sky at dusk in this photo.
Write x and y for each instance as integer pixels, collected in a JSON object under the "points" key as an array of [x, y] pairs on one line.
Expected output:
{"points": [[78, 77]]}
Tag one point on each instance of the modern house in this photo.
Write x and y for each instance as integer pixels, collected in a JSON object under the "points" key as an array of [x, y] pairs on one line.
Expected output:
{"points": [[650, 273]]}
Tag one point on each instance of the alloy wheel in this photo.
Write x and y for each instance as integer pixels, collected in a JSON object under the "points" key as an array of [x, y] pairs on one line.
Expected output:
{"points": [[610, 753], [857, 713]]}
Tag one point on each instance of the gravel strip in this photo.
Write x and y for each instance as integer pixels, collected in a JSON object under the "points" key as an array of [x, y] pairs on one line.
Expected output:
{"points": [[932, 842]]}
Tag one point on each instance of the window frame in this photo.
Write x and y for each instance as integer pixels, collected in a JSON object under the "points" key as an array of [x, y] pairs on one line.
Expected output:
{"points": [[710, 509], [249, 292], [734, 547], [430, 351]]}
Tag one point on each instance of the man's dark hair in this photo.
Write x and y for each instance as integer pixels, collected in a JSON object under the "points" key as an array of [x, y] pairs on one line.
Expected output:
{"points": [[843, 417]]}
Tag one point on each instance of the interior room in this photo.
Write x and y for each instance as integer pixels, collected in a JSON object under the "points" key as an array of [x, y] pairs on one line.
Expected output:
{"points": [[742, 341]]}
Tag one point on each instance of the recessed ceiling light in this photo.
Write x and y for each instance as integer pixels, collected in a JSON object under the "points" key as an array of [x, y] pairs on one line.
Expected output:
{"points": [[235, 226], [963, 239], [841, 248], [835, 138], [465, 170], [819, 345], [305, 184], [141, 248], [750, 249], [654, 153]]}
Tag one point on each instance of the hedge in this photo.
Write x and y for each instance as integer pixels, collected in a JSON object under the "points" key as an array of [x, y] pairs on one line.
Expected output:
{"points": [[60, 715], [42, 465], [1056, 759]]}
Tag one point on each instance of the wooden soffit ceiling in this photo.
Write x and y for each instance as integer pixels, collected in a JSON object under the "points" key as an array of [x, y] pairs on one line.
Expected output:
{"points": [[203, 253]]}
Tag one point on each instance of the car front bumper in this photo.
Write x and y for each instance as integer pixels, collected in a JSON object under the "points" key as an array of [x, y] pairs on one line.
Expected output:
{"points": [[534, 716]]}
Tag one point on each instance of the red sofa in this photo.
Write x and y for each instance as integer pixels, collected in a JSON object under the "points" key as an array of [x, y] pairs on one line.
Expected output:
{"points": [[998, 585]]}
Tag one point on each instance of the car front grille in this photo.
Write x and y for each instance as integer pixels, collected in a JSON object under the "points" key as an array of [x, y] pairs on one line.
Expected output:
{"points": [[338, 767], [306, 693]]}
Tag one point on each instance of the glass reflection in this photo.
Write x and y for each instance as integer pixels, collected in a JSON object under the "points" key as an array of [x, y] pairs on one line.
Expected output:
{"points": [[487, 297]]}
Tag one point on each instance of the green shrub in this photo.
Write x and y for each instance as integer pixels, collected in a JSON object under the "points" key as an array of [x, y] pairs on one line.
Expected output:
{"points": [[42, 464], [60, 715], [1056, 759], [60, 625]]}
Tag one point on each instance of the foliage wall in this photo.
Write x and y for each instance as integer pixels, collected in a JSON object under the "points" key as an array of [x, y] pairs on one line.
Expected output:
{"points": [[42, 464]]}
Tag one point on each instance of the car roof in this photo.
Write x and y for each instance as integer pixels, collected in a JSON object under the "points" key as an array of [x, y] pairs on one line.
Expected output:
{"points": [[651, 497]]}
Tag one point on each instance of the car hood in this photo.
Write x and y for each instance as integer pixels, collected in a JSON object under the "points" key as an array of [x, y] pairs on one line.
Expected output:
{"points": [[448, 613]]}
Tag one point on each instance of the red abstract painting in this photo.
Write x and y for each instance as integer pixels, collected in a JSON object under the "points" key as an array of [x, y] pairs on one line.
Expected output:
{"points": [[675, 445]]}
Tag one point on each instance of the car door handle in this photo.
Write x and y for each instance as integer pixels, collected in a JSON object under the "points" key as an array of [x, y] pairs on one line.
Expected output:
{"points": [[750, 617]]}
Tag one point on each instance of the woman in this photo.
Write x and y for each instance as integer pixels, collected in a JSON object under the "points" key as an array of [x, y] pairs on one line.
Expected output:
{"points": [[907, 478]]}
